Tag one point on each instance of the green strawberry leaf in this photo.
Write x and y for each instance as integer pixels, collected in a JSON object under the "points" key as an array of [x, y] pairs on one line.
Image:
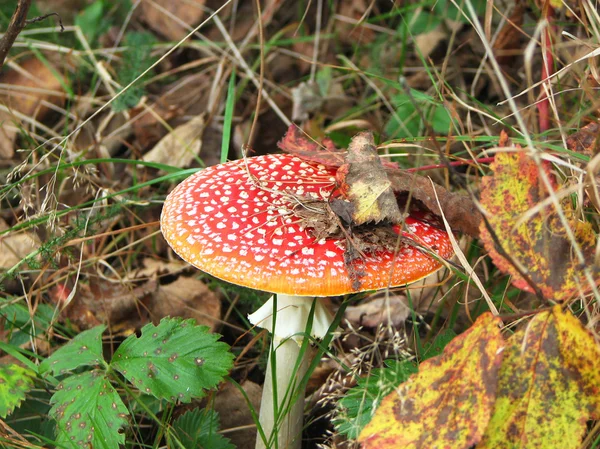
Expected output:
{"points": [[198, 429], [88, 411], [84, 349], [176, 360], [15, 381]]}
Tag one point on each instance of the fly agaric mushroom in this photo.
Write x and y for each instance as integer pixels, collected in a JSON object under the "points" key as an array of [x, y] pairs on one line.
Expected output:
{"points": [[241, 222]]}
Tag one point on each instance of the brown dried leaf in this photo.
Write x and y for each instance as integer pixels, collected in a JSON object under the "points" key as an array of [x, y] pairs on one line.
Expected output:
{"points": [[123, 306], [15, 247], [509, 38], [187, 298], [393, 308], [31, 86], [585, 141], [180, 146], [171, 23], [235, 414], [460, 211], [152, 267], [297, 143]]}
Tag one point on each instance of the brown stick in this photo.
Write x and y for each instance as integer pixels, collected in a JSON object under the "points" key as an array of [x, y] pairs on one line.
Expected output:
{"points": [[16, 25]]}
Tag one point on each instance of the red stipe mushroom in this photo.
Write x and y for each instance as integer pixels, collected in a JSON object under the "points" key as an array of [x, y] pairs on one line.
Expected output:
{"points": [[239, 222]]}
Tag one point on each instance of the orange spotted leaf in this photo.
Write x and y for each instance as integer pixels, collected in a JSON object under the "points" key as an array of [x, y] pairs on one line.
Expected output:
{"points": [[449, 402], [549, 386], [538, 246]]}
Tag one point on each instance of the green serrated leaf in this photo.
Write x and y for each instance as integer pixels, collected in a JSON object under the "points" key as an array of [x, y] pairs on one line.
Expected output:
{"points": [[176, 360], [15, 381], [198, 429], [84, 349], [88, 410]]}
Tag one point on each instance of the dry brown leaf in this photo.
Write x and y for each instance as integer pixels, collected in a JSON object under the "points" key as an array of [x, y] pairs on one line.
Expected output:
{"points": [[180, 146], [390, 308], [187, 298], [15, 247], [427, 42], [585, 141], [148, 124], [32, 85], [152, 267], [510, 37], [122, 305], [172, 24], [234, 412]]}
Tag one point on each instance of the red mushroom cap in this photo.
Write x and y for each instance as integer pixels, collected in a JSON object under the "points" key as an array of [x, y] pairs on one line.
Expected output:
{"points": [[244, 231]]}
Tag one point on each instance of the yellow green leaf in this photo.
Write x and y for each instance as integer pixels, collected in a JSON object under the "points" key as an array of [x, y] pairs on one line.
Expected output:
{"points": [[539, 249], [448, 403], [549, 386]]}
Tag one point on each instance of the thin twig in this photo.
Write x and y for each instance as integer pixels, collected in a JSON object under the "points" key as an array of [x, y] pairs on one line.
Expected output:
{"points": [[16, 25], [44, 17]]}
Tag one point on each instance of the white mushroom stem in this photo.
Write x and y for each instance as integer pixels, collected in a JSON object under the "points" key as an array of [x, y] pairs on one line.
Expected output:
{"points": [[291, 320]]}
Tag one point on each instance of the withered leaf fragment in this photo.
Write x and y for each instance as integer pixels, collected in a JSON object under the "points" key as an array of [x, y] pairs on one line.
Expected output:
{"points": [[548, 386], [364, 182], [585, 141], [449, 402], [299, 144]]}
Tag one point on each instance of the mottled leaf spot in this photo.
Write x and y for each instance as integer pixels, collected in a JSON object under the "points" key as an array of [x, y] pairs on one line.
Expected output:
{"points": [[199, 361], [173, 357]]}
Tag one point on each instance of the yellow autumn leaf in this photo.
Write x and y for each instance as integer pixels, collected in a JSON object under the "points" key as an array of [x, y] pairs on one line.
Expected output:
{"points": [[549, 386], [539, 248], [448, 403]]}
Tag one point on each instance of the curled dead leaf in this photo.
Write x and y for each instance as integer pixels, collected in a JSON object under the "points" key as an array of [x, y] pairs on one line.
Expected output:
{"points": [[180, 146], [187, 298], [172, 18], [30, 89]]}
